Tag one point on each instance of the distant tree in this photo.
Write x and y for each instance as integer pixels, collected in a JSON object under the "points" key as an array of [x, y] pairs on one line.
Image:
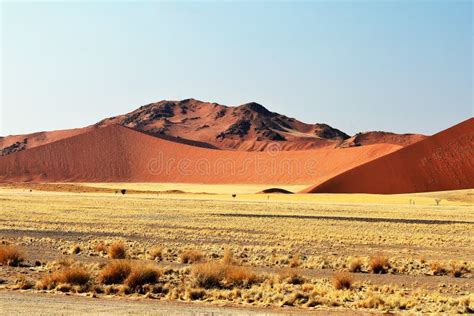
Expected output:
{"points": [[437, 201], [234, 195], [123, 191]]}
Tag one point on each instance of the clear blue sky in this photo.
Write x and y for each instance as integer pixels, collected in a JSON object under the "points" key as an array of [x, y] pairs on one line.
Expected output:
{"points": [[399, 66]]}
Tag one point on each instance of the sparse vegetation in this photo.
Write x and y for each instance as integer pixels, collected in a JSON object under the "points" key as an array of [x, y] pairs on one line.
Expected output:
{"points": [[115, 272], [342, 280], [155, 253], [191, 256], [117, 250], [141, 275], [11, 255], [218, 274], [379, 264], [69, 276], [355, 265], [75, 249]]}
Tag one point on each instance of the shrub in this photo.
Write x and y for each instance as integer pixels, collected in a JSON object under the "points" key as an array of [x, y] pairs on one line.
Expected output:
{"points": [[117, 250], [379, 264], [191, 256], [290, 276], [456, 270], [437, 269], [295, 261], [11, 255], [228, 257], [342, 280], [142, 275], [115, 272], [155, 253], [218, 274], [355, 265], [101, 248], [75, 249], [70, 276]]}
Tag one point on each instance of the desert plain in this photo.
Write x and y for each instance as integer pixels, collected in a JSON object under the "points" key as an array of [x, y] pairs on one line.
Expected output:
{"points": [[191, 248]]}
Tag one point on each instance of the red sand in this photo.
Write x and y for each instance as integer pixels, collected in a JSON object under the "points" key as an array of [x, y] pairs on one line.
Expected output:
{"points": [[120, 154], [444, 161]]}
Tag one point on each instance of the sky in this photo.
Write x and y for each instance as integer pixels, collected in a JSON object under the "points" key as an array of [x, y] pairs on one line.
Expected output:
{"points": [[401, 66]]}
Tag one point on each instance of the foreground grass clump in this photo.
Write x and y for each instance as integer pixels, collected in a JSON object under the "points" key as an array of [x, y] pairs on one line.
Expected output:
{"points": [[115, 272], [342, 280], [68, 276], [355, 265], [290, 276], [155, 253], [11, 255], [191, 256], [222, 275], [379, 264], [117, 250], [141, 275]]}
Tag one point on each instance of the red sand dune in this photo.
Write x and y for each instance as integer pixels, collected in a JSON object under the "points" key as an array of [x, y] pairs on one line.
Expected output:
{"points": [[119, 154], [444, 161], [248, 127]]}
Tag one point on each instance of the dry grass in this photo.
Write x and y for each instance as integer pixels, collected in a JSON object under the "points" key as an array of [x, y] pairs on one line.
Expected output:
{"points": [[437, 268], [115, 272], [155, 253], [295, 261], [141, 275], [342, 280], [228, 257], [221, 275], [69, 276], [291, 276], [117, 250], [191, 256], [379, 264], [355, 265], [11, 255], [101, 248], [75, 249]]}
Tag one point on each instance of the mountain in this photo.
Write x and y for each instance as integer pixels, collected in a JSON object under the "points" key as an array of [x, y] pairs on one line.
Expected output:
{"points": [[118, 154], [444, 161], [248, 127]]}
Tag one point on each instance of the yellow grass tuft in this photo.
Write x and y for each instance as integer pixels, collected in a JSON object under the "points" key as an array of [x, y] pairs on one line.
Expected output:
{"points": [[11, 255], [141, 275], [115, 272], [191, 256], [117, 250], [218, 274], [101, 248], [70, 276], [228, 257], [355, 265], [342, 280], [155, 253], [379, 264]]}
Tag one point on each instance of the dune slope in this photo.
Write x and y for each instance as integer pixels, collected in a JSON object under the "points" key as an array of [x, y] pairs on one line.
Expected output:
{"points": [[444, 161], [119, 154]]}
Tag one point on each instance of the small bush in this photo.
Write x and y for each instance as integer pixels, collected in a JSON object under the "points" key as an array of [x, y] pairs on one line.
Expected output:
{"points": [[191, 256], [355, 265], [117, 250], [75, 249], [11, 255], [218, 274], [228, 257], [379, 264], [115, 272], [290, 276], [101, 248], [295, 261], [437, 269], [456, 270], [70, 276], [155, 253], [342, 280], [142, 275]]}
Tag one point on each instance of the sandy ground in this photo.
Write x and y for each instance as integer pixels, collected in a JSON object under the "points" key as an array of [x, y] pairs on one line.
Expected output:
{"points": [[264, 232]]}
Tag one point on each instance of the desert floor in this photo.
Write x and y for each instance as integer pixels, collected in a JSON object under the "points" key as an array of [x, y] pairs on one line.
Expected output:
{"points": [[275, 253]]}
